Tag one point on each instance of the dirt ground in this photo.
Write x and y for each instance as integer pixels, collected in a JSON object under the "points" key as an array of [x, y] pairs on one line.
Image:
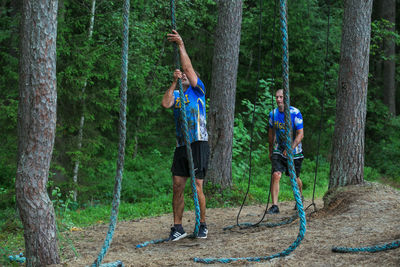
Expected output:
{"points": [[357, 216]]}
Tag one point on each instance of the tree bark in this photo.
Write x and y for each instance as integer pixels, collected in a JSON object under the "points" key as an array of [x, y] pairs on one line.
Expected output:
{"points": [[347, 163], [36, 130], [223, 91]]}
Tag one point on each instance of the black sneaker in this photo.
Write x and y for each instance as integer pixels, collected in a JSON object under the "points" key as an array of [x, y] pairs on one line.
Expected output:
{"points": [[176, 234], [273, 210], [302, 201], [203, 231]]}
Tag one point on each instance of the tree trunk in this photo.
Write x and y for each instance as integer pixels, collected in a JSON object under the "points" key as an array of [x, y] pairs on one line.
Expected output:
{"points": [[82, 121], [223, 91], [36, 130], [387, 11], [347, 163]]}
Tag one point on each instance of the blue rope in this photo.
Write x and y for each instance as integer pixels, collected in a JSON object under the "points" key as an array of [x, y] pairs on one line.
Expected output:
{"points": [[17, 258], [186, 130], [122, 138], [156, 241], [187, 143], [377, 248], [299, 204], [269, 225]]}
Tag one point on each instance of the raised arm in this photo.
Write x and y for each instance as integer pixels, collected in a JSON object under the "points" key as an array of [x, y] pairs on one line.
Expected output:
{"points": [[168, 98], [185, 60]]}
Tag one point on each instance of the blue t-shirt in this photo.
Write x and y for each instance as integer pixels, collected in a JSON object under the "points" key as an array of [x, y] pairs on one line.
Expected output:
{"points": [[195, 102], [278, 123]]}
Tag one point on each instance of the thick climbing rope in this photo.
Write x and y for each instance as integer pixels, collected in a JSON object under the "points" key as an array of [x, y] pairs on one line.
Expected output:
{"points": [[299, 204], [186, 130], [187, 143], [377, 248], [121, 146]]}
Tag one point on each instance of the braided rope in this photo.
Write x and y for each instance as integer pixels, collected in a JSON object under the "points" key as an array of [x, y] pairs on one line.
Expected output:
{"points": [[299, 204], [122, 138], [377, 248], [186, 130], [155, 241], [269, 225], [187, 143]]}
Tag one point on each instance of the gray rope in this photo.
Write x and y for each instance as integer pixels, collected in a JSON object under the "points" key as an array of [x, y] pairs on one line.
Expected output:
{"points": [[122, 139]]}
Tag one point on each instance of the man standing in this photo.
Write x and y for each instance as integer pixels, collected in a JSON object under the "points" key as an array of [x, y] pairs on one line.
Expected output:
{"points": [[194, 100], [277, 146]]}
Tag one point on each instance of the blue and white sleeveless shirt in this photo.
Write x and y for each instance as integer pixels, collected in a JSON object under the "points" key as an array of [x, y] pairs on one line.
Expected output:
{"points": [[195, 102], [278, 123]]}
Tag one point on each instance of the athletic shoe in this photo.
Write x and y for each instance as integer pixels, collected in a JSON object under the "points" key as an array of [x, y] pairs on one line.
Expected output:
{"points": [[203, 231], [302, 201], [176, 234], [273, 210]]}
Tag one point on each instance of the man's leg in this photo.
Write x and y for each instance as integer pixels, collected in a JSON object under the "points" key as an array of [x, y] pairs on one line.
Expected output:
{"points": [[178, 203], [202, 199], [276, 176], [300, 185]]}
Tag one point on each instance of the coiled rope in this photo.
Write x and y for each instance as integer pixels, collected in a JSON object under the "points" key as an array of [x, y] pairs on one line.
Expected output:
{"points": [[299, 204], [122, 139], [187, 143]]}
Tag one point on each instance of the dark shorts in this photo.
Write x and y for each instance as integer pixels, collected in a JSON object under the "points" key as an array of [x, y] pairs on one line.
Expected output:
{"points": [[200, 152], [279, 164]]}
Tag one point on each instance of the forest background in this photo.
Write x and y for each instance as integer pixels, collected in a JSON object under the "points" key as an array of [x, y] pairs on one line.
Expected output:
{"points": [[93, 62]]}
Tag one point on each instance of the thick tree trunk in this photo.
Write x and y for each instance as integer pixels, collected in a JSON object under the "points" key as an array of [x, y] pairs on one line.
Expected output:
{"points": [[347, 163], [387, 11], [223, 91], [36, 130]]}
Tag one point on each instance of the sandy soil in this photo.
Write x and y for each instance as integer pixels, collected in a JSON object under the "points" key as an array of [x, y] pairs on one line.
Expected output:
{"points": [[356, 216]]}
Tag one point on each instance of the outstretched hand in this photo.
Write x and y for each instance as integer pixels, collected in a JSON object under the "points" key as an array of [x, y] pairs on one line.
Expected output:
{"points": [[175, 37]]}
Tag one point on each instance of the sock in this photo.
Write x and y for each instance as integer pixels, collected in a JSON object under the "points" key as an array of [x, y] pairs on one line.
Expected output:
{"points": [[178, 226]]}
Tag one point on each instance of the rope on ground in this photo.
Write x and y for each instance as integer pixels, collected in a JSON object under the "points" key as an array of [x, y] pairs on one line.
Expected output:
{"points": [[155, 241], [269, 225], [377, 248], [122, 139], [299, 204]]}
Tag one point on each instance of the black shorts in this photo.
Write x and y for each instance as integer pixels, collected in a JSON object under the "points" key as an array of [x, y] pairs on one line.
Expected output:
{"points": [[200, 152], [279, 164]]}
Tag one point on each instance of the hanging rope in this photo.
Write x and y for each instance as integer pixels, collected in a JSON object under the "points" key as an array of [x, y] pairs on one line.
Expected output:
{"points": [[121, 146], [299, 204], [246, 225], [187, 143], [259, 223], [186, 130], [322, 107]]}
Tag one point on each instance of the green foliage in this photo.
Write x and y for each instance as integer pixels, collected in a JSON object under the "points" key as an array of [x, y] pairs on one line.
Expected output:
{"points": [[382, 30], [383, 151], [251, 129]]}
